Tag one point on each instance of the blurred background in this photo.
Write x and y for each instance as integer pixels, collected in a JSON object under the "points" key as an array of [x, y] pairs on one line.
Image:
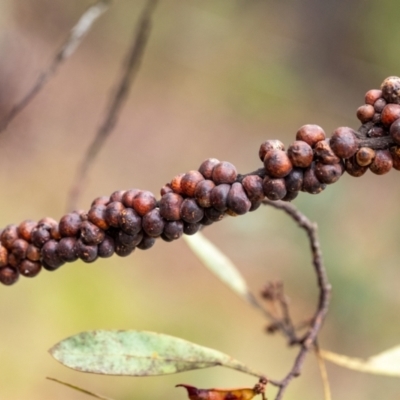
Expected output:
{"points": [[217, 78]]}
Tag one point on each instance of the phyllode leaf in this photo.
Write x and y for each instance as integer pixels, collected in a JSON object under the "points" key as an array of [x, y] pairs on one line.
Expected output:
{"points": [[385, 363], [138, 353], [219, 264]]}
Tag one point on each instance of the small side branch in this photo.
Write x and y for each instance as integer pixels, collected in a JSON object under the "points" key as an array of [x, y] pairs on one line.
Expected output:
{"points": [[309, 339], [75, 38], [117, 101]]}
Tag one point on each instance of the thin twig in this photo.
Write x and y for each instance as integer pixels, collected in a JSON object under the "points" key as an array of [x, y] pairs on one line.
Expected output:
{"points": [[324, 286], [97, 396], [117, 100], [78, 32]]}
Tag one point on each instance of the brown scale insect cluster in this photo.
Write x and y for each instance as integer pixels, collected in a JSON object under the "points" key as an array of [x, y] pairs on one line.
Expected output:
{"points": [[126, 220]]}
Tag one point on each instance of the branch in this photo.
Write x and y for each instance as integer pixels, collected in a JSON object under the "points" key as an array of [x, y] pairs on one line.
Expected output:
{"points": [[75, 38], [309, 339], [117, 100]]}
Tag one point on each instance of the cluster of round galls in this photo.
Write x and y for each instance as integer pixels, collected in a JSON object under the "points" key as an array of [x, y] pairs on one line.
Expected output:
{"points": [[309, 164], [114, 224], [132, 219], [380, 117], [127, 220]]}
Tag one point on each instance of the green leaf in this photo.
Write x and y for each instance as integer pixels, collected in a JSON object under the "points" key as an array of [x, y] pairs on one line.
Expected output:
{"points": [[219, 264], [97, 396], [138, 353], [385, 363]]}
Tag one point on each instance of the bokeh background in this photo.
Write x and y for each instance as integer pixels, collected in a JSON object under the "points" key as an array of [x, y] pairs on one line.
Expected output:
{"points": [[217, 79]]}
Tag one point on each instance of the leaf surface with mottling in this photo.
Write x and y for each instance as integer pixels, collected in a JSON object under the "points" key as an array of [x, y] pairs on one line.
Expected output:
{"points": [[138, 353]]}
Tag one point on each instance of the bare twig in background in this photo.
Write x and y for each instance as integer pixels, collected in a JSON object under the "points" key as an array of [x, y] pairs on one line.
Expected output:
{"points": [[309, 339], [74, 39], [117, 100]]}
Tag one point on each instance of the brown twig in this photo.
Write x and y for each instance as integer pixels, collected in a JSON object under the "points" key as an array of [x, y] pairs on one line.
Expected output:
{"points": [[78, 32], [324, 286], [117, 100]]}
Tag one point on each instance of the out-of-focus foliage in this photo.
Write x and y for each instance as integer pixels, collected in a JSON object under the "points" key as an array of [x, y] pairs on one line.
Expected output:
{"points": [[217, 79]]}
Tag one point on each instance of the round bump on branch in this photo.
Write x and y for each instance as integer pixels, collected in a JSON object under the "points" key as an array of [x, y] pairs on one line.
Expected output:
{"points": [[353, 168], [67, 250], [29, 268], [294, 181], [175, 184], [395, 152], [189, 182], [365, 113], [117, 195], [191, 229], [324, 153], [372, 96], [391, 89], [50, 255], [300, 154], [153, 223], [274, 189], [344, 142], [328, 173], [144, 202], [128, 196], [97, 215], [90, 233], [106, 248], [19, 248], [25, 229], [190, 211], [311, 134], [173, 230], [268, 145], [290, 196], [207, 166], [166, 189], [40, 235], [311, 184], [33, 253], [382, 163], [86, 252], [8, 275], [224, 172], [69, 224], [123, 250], [237, 200], [395, 131], [219, 197], [202, 193], [277, 163], [9, 235], [390, 113], [364, 156], [379, 105], [100, 201], [3, 256], [112, 213], [146, 243], [253, 186], [129, 221], [170, 205], [213, 215], [126, 239]]}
